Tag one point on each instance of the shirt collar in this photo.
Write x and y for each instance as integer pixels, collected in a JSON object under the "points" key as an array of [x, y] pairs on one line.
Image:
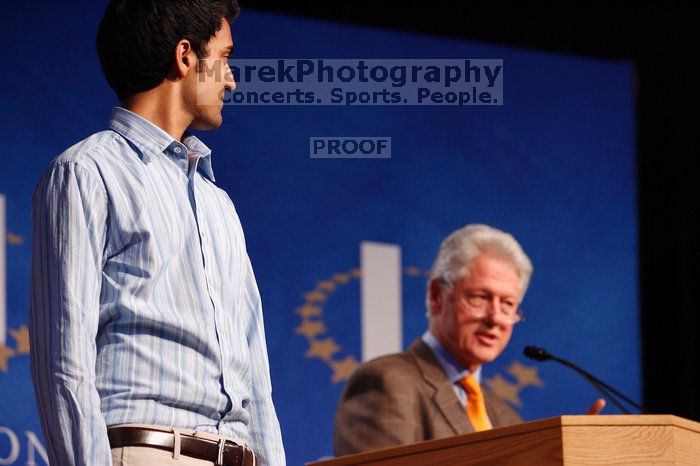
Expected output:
{"points": [[150, 141], [453, 369], [198, 149]]}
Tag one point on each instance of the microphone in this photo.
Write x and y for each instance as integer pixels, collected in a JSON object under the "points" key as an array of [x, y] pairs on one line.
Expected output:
{"points": [[540, 354]]}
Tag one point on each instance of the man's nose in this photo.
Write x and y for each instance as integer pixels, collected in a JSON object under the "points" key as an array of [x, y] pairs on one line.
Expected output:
{"points": [[493, 311], [494, 305], [229, 81]]}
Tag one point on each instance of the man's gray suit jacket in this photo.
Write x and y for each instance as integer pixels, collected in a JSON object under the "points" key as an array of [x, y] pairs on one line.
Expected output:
{"points": [[405, 398]]}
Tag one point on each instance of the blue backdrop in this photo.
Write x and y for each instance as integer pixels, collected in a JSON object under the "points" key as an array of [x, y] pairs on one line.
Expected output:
{"points": [[554, 165]]}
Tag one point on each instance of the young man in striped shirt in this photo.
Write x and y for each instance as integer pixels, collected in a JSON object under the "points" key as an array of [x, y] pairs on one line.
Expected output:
{"points": [[147, 335]]}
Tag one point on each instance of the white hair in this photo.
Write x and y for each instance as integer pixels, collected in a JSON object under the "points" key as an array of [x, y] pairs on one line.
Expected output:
{"points": [[458, 250]]}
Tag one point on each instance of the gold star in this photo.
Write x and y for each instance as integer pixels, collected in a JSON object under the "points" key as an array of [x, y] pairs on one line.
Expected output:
{"points": [[326, 285], [341, 277], [355, 273], [505, 390], [21, 336], [413, 271], [526, 375], [324, 349], [310, 328], [14, 239], [5, 354], [315, 297], [309, 310], [343, 369]]}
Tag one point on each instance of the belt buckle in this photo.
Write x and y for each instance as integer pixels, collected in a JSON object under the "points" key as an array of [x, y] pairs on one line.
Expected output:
{"points": [[244, 454]]}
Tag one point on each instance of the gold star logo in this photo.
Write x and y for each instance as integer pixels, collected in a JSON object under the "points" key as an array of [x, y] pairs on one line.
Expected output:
{"points": [[343, 369], [341, 278], [313, 323], [13, 239], [309, 310], [326, 285], [310, 329], [413, 271], [525, 375], [505, 390], [21, 336], [315, 297], [5, 354], [323, 349]]}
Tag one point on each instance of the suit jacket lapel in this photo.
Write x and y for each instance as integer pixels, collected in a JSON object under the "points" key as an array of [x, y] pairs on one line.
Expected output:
{"points": [[488, 396], [497, 410], [442, 392]]}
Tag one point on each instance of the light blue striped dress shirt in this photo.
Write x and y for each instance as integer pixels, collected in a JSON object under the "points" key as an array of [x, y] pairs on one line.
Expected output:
{"points": [[144, 307], [453, 369]]}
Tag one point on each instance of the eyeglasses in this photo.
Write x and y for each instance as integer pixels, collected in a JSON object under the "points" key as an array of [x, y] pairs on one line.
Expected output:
{"points": [[479, 304]]}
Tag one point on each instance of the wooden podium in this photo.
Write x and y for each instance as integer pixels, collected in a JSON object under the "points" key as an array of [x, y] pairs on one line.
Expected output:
{"points": [[566, 440]]}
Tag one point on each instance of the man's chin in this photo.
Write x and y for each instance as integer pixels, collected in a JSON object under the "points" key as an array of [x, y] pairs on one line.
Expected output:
{"points": [[483, 355], [207, 124]]}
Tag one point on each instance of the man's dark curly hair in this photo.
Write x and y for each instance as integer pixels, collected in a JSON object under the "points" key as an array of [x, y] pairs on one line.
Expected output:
{"points": [[137, 38]]}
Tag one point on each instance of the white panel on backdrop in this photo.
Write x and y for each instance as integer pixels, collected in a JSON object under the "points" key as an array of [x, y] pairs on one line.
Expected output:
{"points": [[382, 331]]}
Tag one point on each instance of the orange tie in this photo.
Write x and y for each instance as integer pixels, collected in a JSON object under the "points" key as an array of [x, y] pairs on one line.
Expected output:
{"points": [[476, 407]]}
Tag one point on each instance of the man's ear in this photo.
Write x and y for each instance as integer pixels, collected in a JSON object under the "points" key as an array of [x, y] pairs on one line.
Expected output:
{"points": [[437, 295], [185, 59]]}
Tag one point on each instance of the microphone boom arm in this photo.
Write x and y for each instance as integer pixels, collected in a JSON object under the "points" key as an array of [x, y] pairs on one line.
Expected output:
{"points": [[539, 354]]}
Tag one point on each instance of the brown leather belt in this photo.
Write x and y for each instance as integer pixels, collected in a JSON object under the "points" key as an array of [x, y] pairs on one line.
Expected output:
{"points": [[224, 453]]}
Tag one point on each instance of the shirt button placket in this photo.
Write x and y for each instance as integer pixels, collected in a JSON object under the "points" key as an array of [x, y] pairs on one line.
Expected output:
{"points": [[205, 248], [203, 238]]}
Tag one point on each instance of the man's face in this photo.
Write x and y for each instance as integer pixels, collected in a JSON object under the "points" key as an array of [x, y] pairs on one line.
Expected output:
{"points": [[204, 92], [471, 340]]}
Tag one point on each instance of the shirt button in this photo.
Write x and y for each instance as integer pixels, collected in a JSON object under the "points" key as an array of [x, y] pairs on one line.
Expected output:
{"points": [[177, 149]]}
